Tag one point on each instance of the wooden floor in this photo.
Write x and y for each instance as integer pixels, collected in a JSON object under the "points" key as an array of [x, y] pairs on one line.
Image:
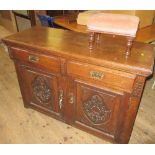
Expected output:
{"points": [[4, 32], [20, 125]]}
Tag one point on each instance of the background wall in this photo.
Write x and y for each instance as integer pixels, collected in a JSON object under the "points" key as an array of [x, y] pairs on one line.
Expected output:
{"points": [[8, 21]]}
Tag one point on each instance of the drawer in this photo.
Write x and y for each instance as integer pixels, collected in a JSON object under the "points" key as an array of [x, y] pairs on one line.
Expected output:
{"points": [[100, 75], [36, 60]]}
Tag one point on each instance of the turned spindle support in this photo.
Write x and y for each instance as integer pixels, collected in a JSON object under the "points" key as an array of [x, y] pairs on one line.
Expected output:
{"points": [[93, 37], [98, 37], [91, 40], [129, 45]]}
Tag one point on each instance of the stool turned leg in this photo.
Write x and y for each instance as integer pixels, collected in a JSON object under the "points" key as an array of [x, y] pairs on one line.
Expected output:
{"points": [[91, 40], [129, 45], [98, 37]]}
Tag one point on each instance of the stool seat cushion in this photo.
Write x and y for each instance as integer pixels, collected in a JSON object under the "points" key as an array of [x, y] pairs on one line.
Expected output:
{"points": [[119, 24], [83, 17]]}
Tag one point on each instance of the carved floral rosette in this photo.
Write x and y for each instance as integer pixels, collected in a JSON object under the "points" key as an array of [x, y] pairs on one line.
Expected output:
{"points": [[41, 89], [96, 110]]}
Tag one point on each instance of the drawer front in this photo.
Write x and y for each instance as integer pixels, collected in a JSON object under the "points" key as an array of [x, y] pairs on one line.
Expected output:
{"points": [[37, 60], [100, 75]]}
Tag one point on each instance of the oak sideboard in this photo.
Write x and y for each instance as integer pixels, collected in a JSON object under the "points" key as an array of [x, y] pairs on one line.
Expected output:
{"points": [[97, 90]]}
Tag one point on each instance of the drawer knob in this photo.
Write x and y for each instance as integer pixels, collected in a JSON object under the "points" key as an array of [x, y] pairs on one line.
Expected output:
{"points": [[96, 75], [33, 58]]}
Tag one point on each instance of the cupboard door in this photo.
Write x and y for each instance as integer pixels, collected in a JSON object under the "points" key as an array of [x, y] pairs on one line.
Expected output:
{"points": [[39, 90], [99, 110]]}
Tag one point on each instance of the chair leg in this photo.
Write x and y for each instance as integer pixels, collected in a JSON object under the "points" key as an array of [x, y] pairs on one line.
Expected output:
{"points": [[129, 45], [91, 40]]}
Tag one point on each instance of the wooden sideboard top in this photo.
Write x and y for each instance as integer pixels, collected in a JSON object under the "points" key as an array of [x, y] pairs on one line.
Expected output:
{"points": [[110, 52]]}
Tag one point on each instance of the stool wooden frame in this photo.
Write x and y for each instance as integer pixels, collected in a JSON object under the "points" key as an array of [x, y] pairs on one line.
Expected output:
{"points": [[94, 36]]}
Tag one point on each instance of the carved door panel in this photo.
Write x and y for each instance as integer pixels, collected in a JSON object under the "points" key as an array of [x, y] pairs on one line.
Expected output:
{"points": [[98, 109], [40, 90]]}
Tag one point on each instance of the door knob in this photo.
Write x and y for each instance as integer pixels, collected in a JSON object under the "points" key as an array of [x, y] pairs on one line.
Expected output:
{"points": [[61, 96], [71, 98]]}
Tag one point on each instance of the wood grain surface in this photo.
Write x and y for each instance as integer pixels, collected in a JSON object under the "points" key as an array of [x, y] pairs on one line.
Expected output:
{"points": [[60, 44], [110, 52], [20, 125]]}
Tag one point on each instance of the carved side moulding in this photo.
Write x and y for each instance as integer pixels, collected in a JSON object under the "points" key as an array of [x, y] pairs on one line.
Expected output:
{"points": [[138, 86]]}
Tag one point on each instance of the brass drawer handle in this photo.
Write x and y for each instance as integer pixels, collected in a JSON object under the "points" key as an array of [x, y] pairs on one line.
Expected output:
{"points": [[96, 75], [33, 58]]}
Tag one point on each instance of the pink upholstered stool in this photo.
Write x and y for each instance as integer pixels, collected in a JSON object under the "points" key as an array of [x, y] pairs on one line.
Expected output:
{"points": [[116, 24]]}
